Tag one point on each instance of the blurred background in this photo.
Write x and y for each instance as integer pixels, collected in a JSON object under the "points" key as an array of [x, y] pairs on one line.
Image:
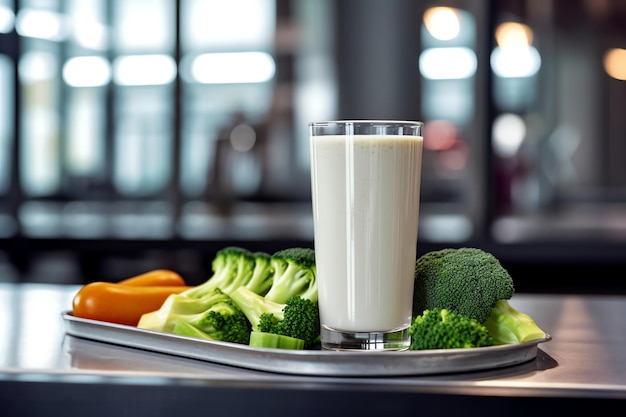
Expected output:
{"points": [[143, 134]]}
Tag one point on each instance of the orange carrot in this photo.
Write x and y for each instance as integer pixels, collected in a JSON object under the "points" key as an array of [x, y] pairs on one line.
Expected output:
{"points": [[155, 278], [122, 304]]}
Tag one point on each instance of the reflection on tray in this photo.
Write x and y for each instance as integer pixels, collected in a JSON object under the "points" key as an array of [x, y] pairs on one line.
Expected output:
{"points": [[88, 355]]}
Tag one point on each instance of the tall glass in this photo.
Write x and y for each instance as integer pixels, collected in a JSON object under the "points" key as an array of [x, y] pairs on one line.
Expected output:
{"points": [[365, 178]]}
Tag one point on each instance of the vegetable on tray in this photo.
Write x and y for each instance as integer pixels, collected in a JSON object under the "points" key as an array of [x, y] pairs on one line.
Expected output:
{"points": [[214, 314], [443, 329], [232, 267], [126, 301], [275, 341], [155, 278], [247, 291], [182, 328], [294, 274], [461, 300], [298, 317], [473, 283], [278, 277], [508, 325]]}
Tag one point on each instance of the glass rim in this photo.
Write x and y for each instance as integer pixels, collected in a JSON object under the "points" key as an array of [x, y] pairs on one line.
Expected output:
{"points": [[368, 122]]}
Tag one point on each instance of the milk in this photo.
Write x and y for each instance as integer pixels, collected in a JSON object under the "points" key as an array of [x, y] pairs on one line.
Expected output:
{"points": [[365, 211]]}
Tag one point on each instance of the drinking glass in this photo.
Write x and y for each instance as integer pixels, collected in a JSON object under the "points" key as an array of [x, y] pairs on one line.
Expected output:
{"points": [[365, 179]]}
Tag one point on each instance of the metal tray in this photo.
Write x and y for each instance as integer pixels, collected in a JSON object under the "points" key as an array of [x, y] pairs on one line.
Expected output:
{"points": [[306, 362]]}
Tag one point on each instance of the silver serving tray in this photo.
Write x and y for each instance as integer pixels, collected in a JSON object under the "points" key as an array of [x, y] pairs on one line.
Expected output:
{"points": [[306, 362]]}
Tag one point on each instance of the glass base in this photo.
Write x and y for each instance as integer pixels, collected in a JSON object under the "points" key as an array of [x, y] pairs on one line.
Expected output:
{"points": [[333, 339]]}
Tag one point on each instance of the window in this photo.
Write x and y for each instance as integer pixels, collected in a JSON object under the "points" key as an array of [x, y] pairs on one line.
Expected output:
{"points": [[129, 109]]}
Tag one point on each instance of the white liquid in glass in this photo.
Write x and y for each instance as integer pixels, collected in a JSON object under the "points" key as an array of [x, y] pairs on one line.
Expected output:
{"points": [[365, 192]]}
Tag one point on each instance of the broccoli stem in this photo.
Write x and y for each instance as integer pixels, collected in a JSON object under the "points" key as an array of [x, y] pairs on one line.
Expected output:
{"points": [[276, 341], [183, 328], [254, 305], [261, 280], [292, 281], [207, 287], [232, 267], [508, 325]]}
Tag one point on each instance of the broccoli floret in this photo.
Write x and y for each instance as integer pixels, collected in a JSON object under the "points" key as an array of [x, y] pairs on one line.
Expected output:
{"points": [[300, 320], [443, 329], [214, 314], [232, 267], [262, 274], [298, 317], [294, 273], [508, 325], [467, 281]]}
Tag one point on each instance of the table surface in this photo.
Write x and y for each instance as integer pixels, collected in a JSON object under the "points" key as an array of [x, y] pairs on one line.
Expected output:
{"points": [[585, 358]]}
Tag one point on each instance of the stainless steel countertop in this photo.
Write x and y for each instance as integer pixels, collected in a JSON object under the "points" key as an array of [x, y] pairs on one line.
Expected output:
{"points": [[586, 357]]}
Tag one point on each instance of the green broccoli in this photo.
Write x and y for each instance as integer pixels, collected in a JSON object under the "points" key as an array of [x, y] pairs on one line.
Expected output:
{"points": [[443, 329], [468, 281], [300, 320], [472, 282], [183, 328], [262, 274], [275, 341], [232, 267], [298, 317], [508, 325], [214, 314], [294, 273]]}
